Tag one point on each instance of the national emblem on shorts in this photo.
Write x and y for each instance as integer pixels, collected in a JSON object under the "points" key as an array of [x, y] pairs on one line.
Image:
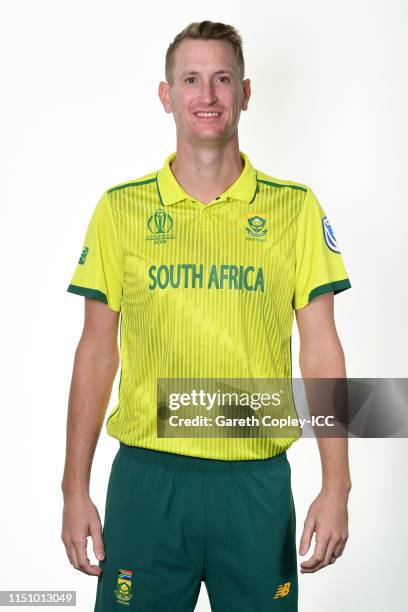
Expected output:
{"points": [[123, 589]]}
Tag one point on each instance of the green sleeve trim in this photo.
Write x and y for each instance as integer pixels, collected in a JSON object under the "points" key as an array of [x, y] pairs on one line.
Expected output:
{"points": [[335, 286], [90, 293]]}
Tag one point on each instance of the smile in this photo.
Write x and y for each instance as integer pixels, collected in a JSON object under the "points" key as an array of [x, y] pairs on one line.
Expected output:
{"points": [[207, 115]]}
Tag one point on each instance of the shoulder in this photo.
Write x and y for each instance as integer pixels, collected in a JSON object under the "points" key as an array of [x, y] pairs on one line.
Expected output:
{"points": [[266, 181], [134, 184], [122, 199]]}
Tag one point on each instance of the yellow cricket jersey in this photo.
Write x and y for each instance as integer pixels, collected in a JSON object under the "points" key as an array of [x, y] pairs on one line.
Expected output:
{"points": [[204, 290]]}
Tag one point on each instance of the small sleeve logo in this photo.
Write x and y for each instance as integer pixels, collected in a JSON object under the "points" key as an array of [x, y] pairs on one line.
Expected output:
{"points": [[329, 236], [84, 253]]}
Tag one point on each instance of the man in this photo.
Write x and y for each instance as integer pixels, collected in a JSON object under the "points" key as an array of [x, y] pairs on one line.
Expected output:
{"points": [[204, 261]]}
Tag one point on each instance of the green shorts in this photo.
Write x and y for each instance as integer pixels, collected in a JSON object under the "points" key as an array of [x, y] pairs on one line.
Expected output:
{"points": [[173, 521]]}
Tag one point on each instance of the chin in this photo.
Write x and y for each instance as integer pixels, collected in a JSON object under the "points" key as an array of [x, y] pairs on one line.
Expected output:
{"points": [[210, 134]]}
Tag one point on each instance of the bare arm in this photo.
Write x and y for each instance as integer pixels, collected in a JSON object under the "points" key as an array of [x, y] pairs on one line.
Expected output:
{"points": [[321, 356], [95, 366]]}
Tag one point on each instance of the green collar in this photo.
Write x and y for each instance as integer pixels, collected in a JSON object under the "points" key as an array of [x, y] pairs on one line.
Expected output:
{"points": [[171, 191]]}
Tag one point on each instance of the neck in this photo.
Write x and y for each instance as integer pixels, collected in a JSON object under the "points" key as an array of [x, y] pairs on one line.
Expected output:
{"points": [[206, 173]]}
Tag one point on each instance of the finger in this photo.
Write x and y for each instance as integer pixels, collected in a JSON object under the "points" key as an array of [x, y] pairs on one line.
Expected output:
{"points": [[330, 553], [72, 555], [342, 546], [335, 555], [97, 541], [84, 564], [306, 538], [336, 552], [314, 568], [322, 545], [329, 558], [339, 547], [311, 564], [317, 559]]}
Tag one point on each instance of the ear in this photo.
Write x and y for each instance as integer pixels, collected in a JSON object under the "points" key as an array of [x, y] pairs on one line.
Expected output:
{"points": [[246, 89], [164, 95]]}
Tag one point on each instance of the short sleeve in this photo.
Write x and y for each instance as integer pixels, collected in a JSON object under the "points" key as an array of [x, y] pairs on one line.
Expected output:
{"points": [[319, 264], [98, 273]]}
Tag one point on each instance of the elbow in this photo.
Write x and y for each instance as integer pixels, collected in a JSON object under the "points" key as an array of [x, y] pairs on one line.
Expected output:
{"points": [[99, 352], [322, 360]]}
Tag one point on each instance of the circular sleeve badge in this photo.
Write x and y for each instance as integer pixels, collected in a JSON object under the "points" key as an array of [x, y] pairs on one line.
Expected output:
{"points": [[329, 236]]}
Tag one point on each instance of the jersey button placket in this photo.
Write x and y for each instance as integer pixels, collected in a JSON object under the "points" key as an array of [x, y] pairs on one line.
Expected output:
{"points": [[199, 227]]}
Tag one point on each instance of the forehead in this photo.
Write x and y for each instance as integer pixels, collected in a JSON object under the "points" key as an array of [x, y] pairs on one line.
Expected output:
{"points": [[204, 55]]}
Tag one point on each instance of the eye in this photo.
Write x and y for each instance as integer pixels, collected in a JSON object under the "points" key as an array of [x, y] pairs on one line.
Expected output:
{"points": [[189, 79], [224, 77]]}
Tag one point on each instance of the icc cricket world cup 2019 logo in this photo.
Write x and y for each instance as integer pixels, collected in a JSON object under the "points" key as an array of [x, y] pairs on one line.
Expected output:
{"points": [[160, 224], [123, 589]]}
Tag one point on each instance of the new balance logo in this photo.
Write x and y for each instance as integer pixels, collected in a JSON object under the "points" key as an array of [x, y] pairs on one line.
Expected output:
{"points": [[282, 590]]}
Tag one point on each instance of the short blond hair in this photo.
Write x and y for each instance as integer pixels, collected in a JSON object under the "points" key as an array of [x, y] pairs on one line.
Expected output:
{"points": [[206, 30]]}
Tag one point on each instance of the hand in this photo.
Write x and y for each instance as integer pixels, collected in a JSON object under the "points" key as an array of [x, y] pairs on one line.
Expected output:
{"points": [[80, 520], [328, 517]]}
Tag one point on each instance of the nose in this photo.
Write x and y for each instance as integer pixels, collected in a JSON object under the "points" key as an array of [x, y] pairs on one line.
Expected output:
{"points": [[207, 92]]}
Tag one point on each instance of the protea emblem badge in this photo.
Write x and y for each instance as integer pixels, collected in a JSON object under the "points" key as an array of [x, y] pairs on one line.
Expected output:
{"points": [[256, 226]]}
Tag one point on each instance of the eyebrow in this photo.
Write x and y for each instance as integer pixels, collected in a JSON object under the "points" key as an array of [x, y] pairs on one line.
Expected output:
{"points": [[216, 72]]}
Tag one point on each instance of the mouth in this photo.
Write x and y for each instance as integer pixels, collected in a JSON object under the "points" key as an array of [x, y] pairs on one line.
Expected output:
{"points": [[207, 115]]}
